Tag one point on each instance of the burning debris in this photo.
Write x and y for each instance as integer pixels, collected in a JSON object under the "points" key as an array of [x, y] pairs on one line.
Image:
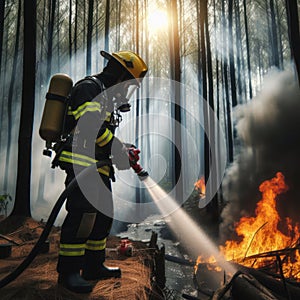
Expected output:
{"points": [[264, 242], [262, 233], [200, 187], [267, 128]]}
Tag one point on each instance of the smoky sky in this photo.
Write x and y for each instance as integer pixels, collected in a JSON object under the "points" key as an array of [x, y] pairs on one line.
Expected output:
{"points": [[268, 134]]}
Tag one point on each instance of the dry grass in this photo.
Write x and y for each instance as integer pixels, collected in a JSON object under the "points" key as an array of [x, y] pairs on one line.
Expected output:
{"points": [[39, 280]]}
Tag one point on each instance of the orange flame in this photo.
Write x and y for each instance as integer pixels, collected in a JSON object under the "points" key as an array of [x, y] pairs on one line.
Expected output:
{"points": [[261, 234], [200, 186]]}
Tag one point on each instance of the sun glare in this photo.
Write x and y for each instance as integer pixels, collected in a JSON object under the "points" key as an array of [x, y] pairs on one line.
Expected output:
{"points": [[157, 20]]}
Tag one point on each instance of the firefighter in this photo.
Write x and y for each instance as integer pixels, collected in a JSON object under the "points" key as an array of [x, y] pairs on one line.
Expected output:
{"points": [[85, 228]]}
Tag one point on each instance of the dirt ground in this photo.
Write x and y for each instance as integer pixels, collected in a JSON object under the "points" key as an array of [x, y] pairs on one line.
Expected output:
{"points": [[39, 280]]}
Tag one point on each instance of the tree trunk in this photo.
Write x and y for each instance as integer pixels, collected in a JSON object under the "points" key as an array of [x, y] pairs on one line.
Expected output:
{"points": [[226, 87], [52, 5], [274, 38], [148, 151], [118, 25], [2, 9], [10, 97], [70, 37], [176, 110], [137, 111], [89, 38], [51, 20], [106, 26], [203, 64], [22, 201], [294, 36], [231, 56], [75, 37], [239, 51], [213, 206], [248, 49], [58, 44], [39, 107], [280, 46]]}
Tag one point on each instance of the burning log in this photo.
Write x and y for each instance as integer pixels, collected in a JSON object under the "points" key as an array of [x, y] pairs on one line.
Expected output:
{"points": [[290, 291], [266, 242], [179, 260], [264, 286], [246, 287]]}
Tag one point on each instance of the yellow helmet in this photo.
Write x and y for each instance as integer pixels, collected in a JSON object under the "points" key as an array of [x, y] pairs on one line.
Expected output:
{"points": [[132, 62]]}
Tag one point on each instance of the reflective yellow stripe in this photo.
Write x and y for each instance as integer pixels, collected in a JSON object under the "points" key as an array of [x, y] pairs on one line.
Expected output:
{"points": [[105, 138], [72, 253], [82, 160], [85, 107], [95, 245], [104, 170], [82, 157], [72, 246], [74, 161], [108, 116], [78, 159], [72, 249]]}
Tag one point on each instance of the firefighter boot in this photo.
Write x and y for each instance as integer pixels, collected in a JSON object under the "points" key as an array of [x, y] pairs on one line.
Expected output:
{"points": [[94, 268], [74, 282]]}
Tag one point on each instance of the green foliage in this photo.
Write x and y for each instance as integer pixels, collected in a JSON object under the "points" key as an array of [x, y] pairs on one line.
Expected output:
{"points": [[4, 200]]}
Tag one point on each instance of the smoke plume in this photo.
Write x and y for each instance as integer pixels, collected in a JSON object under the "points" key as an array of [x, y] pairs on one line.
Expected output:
{"points": [[268, 132]]}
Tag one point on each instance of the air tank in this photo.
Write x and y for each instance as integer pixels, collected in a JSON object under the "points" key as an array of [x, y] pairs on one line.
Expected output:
{"points": [[54, 110]]}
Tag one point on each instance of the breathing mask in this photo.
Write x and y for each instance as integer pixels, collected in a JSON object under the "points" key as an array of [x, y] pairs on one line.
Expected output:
{"points": [[123, 93]]}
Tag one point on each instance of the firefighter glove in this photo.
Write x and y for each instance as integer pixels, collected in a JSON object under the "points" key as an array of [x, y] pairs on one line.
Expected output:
{"points": [[133, 154], [120, 155]]}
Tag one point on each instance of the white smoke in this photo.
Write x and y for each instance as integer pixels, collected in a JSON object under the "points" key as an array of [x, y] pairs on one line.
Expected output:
{"points": [[268, 129]]}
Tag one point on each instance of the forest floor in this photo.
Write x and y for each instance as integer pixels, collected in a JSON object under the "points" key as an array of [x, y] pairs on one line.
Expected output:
{"points": [[39, 280]]}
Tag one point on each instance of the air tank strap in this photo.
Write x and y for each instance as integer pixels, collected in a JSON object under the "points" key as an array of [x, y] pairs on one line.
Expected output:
{"points": [[51, 96]]}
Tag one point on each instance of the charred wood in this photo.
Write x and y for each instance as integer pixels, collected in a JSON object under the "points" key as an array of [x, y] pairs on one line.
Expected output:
{"points": [[189, 297], [179, 260], [274, 285], [159, 259], [246, 287]]}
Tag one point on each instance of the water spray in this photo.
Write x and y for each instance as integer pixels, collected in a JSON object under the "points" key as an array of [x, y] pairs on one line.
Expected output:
{"points": [[191, 235]]}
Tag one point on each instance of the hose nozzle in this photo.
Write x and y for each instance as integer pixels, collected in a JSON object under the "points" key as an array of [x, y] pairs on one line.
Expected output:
{"points": [[143, 174]]}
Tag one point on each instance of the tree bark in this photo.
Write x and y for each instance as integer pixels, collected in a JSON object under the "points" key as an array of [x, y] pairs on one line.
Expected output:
{"points": [[176, 77], [231, 55], [226, 88], [274, 38], [52, 5], [89, 37], [213, 206], [248, 49], [294, 36], [75, 37], [70, 37], [106, 26], [2, 9], [10, 97], [22, 201]]}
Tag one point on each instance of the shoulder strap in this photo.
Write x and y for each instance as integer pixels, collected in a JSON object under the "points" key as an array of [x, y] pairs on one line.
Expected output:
{"points": [[95, 80]]}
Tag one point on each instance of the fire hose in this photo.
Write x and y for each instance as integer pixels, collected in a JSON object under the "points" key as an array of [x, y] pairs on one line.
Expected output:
{"points": [[52, 217]]}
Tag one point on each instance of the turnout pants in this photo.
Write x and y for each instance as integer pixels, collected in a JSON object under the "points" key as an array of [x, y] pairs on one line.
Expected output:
{"points": [[85, 228]]}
